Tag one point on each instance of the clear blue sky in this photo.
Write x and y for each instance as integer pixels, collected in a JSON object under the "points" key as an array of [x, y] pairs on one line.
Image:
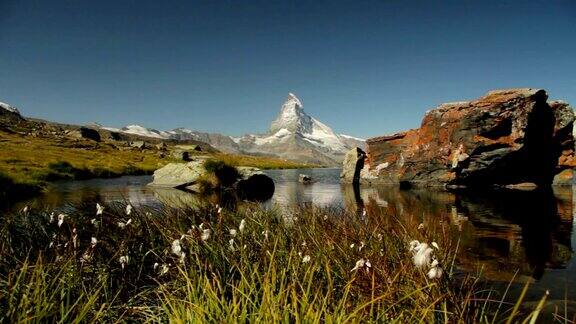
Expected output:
{"points": [[363, 67]]}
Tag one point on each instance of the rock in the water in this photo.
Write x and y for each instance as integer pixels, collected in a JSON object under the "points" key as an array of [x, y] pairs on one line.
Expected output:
{"points": [[353, 164], [179, 175], [506, 137], [257, 187], [305, 179], [86, 133]]}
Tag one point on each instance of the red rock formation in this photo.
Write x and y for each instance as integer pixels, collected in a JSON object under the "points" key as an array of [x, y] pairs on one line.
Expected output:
{"points": [[506, 137]]}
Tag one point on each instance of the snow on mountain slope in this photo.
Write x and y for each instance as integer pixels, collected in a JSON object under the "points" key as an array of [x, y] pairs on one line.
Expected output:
{"points": [[142, 131], [353, 138]]}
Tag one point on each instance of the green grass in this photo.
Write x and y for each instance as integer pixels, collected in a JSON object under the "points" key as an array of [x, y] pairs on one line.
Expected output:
{"points": [[28, 159], [50, 273]]}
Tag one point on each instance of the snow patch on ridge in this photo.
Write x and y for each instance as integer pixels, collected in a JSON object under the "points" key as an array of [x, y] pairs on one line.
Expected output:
{"points": [[9, 108], [143, 131], [353, 138]]}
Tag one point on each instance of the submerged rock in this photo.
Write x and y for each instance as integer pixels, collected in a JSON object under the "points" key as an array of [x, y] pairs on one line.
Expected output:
{"points": [[506, 137], [305, 179]]}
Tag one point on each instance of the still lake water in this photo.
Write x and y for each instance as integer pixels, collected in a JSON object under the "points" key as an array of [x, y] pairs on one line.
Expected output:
{"points": [[504, 232]]}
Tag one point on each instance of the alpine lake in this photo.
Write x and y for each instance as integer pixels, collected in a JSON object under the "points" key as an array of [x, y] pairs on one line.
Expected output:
{"points": [[508, 236]]}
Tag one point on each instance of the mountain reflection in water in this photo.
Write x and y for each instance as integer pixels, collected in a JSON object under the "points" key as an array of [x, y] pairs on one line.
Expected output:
{"points": [[499, 232]]}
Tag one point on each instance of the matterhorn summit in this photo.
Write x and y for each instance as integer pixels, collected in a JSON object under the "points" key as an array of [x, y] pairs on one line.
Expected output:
{"points": [[292, 117], [297, 136]]}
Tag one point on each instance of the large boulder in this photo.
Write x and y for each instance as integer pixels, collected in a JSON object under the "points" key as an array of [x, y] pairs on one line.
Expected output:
{"points": [[179, 175], [85, 133], [506, 137], [256, 187], [353, 164]]}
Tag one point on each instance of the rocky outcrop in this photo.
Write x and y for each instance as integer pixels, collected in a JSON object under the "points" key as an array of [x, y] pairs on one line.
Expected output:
{"points": [[564, 137], [353, 164], [506, 137]]}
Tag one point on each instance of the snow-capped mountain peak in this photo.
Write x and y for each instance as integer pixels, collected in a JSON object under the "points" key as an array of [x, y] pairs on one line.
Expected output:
{"points": [[292, 117]]}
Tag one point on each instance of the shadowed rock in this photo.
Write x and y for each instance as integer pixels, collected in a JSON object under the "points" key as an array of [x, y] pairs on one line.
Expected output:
{"points": [[257, 187]]}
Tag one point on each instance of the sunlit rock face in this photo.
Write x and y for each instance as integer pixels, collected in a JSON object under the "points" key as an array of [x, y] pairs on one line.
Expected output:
{"points": [[506, 137]]}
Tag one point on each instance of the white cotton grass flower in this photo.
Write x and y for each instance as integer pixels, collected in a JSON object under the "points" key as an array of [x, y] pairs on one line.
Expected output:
{"points": [[362, 245], [362, 263], [61, 218], [242, 225], [74, 238], [124, 261], [122, 225], [93, 221], [52, 218], [176, 248], [99, 209], [435, 272], [435, 245], [325, 217], [205, 234], [421, 226], [163, 269], [413, 244], [25, 209], [434, 263], [129, 209], [233, 232], [380, 237], [219, 210], [423, 255], [93, 242], [306, 259], [352, 245], [231, 245]]}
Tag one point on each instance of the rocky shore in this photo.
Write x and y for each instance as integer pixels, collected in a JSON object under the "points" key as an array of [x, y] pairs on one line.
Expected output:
{"points": [[507, 137]]}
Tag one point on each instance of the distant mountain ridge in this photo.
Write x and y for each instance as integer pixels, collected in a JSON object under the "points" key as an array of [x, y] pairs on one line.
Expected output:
{"points": [[293, 135]]}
